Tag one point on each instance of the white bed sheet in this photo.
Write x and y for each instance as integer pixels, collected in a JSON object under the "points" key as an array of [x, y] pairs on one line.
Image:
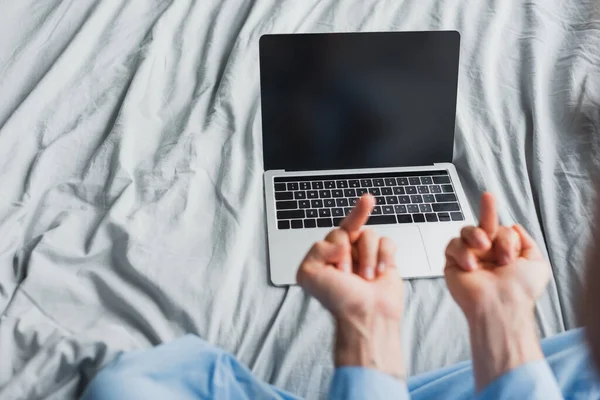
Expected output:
{"points": [[131, 208]]}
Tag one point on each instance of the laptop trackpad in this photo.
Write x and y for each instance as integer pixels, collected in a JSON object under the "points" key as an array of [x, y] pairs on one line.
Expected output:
{"points": [[411, 258]]}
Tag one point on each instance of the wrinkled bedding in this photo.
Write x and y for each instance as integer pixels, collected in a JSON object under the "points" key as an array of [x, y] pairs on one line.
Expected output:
{"points": [[131, 208]]}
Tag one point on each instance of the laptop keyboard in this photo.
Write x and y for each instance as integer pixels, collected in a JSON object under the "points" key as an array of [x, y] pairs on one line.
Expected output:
{"points": [[401, 198]]}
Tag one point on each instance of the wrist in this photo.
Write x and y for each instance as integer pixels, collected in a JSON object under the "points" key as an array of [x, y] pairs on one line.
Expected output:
{"points": [[372, 342], [502, 338]]}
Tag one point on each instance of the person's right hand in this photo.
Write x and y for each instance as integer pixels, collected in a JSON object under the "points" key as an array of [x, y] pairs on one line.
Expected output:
{"points": [[496, 274], [492, 263]]}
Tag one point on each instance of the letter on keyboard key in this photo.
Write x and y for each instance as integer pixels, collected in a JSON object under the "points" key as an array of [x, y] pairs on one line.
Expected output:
{"points": [[292, 186], [286, 205], [381, 219], [294, 214], [437, 207]]}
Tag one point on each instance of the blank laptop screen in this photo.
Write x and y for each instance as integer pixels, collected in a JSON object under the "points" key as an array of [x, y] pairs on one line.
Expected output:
{"points": [[358, 100]]}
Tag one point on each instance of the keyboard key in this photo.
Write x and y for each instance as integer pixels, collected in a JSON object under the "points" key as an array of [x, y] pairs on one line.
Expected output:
{"points": [[284, 195], [280, 187], [425, 208], [391, 200], [312, 213], [404, 199], [283, 224], [431, 217], [353, 183], [388, 209], [442, 198], [310, 223], [286, 205], [443, 216], [337, 221], [429, 198], [435, 189], [404, 219], [297, 224], [417, 198], [317, 185], [441, 179], [411, 189], [299, 195], [292, 186], [329, 203], [353, 201], [324, 194], [402, 182], [381, 219], [447, 189], [390, 181], [341, 184], [337, 212], [456, 216], [312, 194], [304, 204], [350, 193], [337, 193], [399, 190], [347, 210], [376, 210], [324, 212], [378, 182], [316, 203], [422, 189], [386, 191], [414, 180], [329, 184], [437, 207], [379, 200], [418, 218], [295, 214], [375, 191], [304, 185], [361, 191], [324, 223], [341, 202], [413, 208], [366, 183], [426, 180], [400, 209]]}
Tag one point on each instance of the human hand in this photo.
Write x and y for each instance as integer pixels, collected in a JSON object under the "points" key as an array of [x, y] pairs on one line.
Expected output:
{"points": [[496, 274], [352, 272]]}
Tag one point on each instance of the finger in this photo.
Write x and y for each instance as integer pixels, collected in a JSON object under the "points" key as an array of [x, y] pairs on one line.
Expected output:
{"points": [[325, 253], [475, 238], [368, 244], [507, 246], [387, 255], [529, 248], [488, 219], [340, 237], [353, 223], [458, 253]]}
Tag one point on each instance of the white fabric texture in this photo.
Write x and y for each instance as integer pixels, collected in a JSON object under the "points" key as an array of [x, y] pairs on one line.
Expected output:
{"points": [[131, 209]]}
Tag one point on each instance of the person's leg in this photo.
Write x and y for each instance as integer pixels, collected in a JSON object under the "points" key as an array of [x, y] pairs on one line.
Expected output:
{"points": [[566, 354]]}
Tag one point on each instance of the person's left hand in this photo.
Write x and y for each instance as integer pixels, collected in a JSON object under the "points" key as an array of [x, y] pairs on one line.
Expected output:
{"points": [[353, 271]]}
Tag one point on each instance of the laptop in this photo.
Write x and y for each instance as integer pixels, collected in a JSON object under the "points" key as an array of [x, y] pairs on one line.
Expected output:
{"points": [[345, 114]]}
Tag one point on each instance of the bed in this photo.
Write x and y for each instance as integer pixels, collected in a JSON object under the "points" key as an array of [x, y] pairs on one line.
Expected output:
{"points": [[131, 209]]}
